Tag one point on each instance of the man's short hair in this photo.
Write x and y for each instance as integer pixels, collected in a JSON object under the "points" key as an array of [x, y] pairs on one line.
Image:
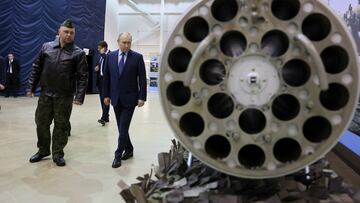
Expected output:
{"points": [[103, 44]]}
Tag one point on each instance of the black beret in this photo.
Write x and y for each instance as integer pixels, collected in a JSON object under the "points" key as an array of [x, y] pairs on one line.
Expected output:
{"points": [[68, 23]]}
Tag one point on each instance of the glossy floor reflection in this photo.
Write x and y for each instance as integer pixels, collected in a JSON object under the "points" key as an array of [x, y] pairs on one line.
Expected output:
{"points": [[88, 176]]}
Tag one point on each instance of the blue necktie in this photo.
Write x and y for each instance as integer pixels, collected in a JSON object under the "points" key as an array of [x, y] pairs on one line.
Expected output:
{"points": [[121, 63]]}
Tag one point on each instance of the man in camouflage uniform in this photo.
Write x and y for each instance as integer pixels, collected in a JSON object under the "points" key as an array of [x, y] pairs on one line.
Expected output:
{"points": [[62, 71]]}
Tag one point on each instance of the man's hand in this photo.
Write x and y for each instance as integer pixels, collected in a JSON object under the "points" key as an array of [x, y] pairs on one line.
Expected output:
{"points": [[107, 101], [2, 87], [141, 103], [97, 68], [30, 94], [77, 103]]}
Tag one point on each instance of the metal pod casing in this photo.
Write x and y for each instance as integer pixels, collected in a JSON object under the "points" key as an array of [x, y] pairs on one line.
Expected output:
{"points": [[259, 88]]}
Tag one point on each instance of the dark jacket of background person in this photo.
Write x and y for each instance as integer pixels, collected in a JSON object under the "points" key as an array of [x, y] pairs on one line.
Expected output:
{"points": [[15, 67], [2, 71], [98, 74], [54, 69], [12, 75]]}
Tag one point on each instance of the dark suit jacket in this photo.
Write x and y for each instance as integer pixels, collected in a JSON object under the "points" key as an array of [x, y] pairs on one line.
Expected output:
{"points": [[2, 71], [15, 67], [129, 87], [98, 74]]}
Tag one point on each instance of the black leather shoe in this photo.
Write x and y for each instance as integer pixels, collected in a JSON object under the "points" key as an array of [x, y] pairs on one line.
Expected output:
{"points": [[37, 157], [116, 163], [127, 155], [59, 161], [102, 122]]}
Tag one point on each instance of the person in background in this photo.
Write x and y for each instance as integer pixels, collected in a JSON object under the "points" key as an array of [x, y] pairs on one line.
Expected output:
{"points": [[124, 88], [2, 74], [102, 47], [12, 75], [62, 71]]}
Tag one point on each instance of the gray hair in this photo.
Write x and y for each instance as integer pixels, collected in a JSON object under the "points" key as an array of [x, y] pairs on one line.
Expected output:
{"points": [[125, 34]]}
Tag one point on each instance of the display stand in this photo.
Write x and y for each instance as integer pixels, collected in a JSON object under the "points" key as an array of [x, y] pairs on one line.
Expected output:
{"points": [[154, 74]]}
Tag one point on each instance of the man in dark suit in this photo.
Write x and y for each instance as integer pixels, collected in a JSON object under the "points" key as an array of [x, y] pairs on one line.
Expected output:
{"points": [[12, 75], [2, 73], [99, 68], [124, 88]]}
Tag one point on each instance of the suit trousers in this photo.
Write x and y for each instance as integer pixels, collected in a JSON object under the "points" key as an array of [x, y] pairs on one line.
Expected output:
{"points": [[12, 84], [105, 108], [49, 109], [123, 119]]}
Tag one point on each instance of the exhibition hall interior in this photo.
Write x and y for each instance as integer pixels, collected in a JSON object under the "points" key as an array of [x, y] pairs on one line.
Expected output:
{"points": [[236, 101]]}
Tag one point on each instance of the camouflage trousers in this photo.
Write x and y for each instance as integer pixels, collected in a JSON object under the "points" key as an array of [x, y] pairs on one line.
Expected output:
{"points": [[49, 109]]}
